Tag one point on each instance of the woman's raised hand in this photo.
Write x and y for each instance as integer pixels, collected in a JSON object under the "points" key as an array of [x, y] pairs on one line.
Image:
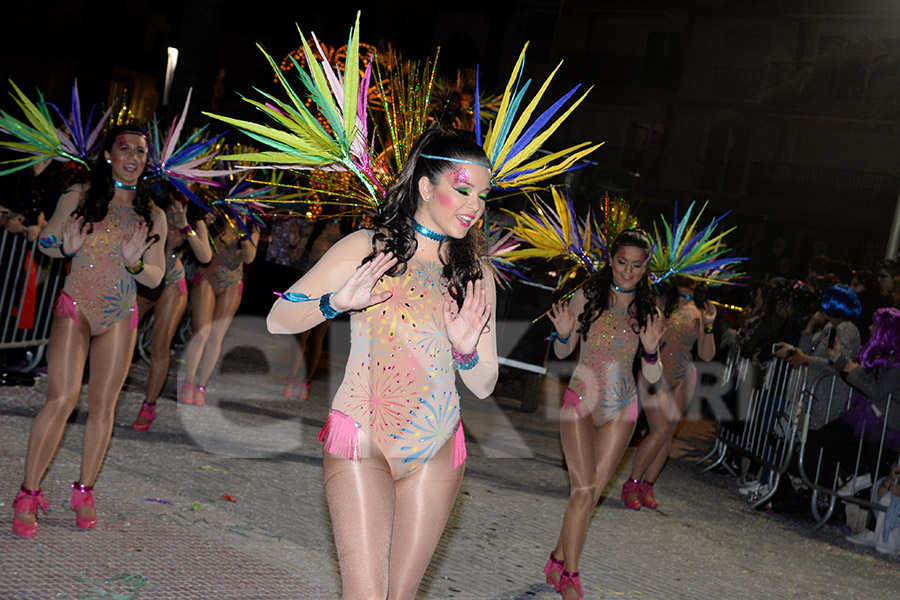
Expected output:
{"points": [[708, 314], [74, 232], [563, 318], [179, 214], [357, 294], [465, 326], [651, 332], [137, 242]]}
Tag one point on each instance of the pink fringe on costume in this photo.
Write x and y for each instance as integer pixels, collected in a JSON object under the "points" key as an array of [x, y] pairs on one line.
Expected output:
{"points": [[633, 411], [135, 318], [65, 307], [341, 435], [694, 376], [571, 400], [459, 446], [197, 278], [241, 288], [182, 287]]}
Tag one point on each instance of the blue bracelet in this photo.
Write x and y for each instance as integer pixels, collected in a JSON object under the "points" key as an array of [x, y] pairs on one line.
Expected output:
{"points": [[469, 364], [557, 337], [326, 308]]}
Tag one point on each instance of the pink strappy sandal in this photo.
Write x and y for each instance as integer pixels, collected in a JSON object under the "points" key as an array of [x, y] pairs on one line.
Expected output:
{"points": [[148, 413], [27, 501], [83, 495], [631, 494], [568, 579], [553, 565], [646, 491]]}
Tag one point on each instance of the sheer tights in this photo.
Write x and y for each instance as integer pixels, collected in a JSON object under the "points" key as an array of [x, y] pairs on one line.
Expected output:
{"points": [[664, 411], [308, 350], [70, 344], [592, 455], [211, 316], [169, 309], [386, 531]]}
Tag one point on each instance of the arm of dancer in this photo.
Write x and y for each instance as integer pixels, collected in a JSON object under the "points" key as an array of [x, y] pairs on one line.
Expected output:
{"points": [[248, 245], [154, 256], [564, 316], [328, 275], [199, 242], [650, 334], [482, 378], [51, 242], [706, 341]]}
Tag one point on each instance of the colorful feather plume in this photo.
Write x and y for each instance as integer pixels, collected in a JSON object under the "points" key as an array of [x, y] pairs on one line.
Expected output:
{"points": [[301, 142], [617, 217], [36, 136], [688, 249], [499, 243], [510, 146], [80, 138]]}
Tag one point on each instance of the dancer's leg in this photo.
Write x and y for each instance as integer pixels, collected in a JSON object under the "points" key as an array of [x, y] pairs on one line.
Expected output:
{"points": [[424, 502], [592, 455], [662, 415], [361, 503], [169, 309], [313, 348], [67, 353], [682, 393], [226, 305], [203, 305], [110, 359]]}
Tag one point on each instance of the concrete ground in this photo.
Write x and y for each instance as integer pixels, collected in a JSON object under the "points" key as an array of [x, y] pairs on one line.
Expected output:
{"points": [[226, 502]]}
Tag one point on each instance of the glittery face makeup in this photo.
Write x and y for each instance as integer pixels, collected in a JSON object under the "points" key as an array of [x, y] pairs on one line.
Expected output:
{"points": [[628, 266], [457, 201], [128, 156]]}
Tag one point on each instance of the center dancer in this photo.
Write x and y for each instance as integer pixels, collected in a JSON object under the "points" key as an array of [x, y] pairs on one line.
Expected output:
{"points": [[420, 299], [615, 315]]}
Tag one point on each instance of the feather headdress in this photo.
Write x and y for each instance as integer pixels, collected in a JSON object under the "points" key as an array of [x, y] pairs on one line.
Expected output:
{"points": [[688, 249]]}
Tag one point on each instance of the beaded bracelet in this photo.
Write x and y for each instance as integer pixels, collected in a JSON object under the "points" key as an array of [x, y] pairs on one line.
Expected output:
{"points": [[328, 311], [708, 329], [464, 362], [137, 268], [188, 230], [558, 338], [650, 357], [64, 253]]}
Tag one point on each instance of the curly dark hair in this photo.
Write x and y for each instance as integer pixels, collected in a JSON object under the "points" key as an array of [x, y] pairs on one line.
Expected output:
{"points": [[96, 203], [597, 293], [672, 294], [393, 225]]}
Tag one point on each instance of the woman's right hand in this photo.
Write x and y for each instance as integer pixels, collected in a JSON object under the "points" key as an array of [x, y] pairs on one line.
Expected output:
{"points": [[74, 233], [357, 294], [563, 319]]}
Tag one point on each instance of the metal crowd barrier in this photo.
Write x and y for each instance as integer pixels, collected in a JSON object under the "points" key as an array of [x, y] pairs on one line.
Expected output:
{"points": [[827, 493], [766, 431], [30, 284]]}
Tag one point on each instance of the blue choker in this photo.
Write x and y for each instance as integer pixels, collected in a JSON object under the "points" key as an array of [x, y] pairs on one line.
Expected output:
{"points": [[621, 291], [122, 186], [685, 296], [431, 235]]}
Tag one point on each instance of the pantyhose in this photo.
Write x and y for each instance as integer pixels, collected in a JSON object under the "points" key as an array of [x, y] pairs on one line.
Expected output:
{"points": [[168, 311], [211, 316], [386, 531], [664, 409]]}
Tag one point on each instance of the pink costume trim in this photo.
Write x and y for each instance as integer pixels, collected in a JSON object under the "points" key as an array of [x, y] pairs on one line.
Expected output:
{"points": [[241, 288], [571, 400], [135, 317], [341, 435], [182, 287], [459, 446], [694, 376], [66, 307], [197, 278]]}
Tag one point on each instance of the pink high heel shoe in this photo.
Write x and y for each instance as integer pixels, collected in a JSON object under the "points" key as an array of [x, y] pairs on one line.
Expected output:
{"points": [[27, 501], [148, 413], [553, 565], [199, 395], [631, 494], [304, 391], [646, 492], [83, 495], [570, 579], [290, 387], [186, 394]]}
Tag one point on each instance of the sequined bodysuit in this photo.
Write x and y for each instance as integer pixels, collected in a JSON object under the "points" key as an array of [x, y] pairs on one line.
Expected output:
{"points": [[400, 384], [174, 267], [680, 335], [603, 377], [226, 267], [98, 284]]}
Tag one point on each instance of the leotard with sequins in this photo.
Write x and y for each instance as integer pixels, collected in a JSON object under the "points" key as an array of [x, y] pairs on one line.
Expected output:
{"points": [[226, 267], [678, 339], [98, 284]]}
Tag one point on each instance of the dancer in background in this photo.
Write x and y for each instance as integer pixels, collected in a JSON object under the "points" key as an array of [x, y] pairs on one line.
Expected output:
{"points": [[185, 229], [109, 228], [612, 315], [215, 298], [689, 320]]}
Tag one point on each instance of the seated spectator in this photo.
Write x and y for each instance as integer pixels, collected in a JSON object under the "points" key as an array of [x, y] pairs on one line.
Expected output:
{"points": [[886, 537]]}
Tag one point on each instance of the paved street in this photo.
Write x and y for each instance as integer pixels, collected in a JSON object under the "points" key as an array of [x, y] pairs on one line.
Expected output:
{"points": [[167, 530]]}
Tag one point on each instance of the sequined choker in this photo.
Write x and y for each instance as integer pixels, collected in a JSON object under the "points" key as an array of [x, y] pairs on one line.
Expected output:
{"points": [[621, 291], [431, 235], [122, 186], [685, 296]]}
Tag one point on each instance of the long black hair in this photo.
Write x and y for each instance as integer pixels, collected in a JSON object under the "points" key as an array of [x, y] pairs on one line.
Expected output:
{"points": [[698, 296], [597, 293], [96, 204], [393, 225]]}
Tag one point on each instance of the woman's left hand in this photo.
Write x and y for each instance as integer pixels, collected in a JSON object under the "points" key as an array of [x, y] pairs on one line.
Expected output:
{"points": [[651, 332], [179, 214], [798, 359], [708, 314], [133, 248], [464, 327]]}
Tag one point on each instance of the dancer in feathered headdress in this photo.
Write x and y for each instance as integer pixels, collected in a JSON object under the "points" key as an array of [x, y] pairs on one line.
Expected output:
{"points": [[420, 296]]}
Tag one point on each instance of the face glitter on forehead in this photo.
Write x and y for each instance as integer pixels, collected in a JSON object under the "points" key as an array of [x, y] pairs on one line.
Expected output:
{"points": [[459, 175]]}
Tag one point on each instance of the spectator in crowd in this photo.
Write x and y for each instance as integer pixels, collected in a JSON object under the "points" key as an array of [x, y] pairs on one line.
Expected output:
{"points": [[888, 270]]}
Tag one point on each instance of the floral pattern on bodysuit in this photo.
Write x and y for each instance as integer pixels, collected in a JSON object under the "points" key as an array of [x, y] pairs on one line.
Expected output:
{"points": [[226, 267]]}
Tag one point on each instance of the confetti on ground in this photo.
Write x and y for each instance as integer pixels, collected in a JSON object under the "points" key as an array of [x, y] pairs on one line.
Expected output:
{"points": [[209, 468], [157, 500], [229, 498]]}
